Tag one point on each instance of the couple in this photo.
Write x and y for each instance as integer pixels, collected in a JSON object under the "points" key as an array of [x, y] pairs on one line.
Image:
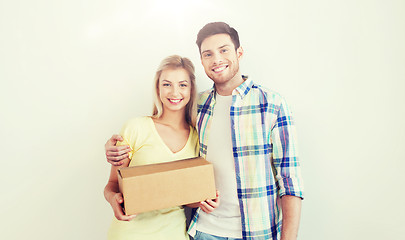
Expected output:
{"points": [[243, 129]]}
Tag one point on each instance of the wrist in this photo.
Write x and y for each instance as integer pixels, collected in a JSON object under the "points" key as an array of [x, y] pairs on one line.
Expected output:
{"points": [[108, 194]]}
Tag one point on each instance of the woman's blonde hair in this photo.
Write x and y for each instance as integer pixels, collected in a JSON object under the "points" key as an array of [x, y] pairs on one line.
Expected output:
{"points": [[176, 62]]}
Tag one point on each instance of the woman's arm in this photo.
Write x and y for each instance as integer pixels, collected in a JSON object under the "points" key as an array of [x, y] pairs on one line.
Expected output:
{"points": [[112, 193]]}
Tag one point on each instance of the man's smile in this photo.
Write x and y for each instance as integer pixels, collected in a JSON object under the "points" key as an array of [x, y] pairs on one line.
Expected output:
{"points": [[219, 68]]}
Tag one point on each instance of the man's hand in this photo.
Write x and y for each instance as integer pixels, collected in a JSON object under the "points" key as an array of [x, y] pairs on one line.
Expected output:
{"points": [[116, 154], [115, 201]]}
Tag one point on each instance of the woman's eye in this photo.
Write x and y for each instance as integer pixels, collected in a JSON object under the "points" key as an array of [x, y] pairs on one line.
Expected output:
{"points": [[166, 85], [183, 85]]}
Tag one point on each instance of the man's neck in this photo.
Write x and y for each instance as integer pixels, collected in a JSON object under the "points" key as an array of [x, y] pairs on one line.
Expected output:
{"points": [[227, 88]]}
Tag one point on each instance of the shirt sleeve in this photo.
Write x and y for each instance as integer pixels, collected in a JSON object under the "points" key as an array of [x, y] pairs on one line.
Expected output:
{"points": [[285, 155], [131, 134]]}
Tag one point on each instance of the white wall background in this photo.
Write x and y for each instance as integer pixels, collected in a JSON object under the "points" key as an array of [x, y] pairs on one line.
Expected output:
{"points": [[72, 72]]}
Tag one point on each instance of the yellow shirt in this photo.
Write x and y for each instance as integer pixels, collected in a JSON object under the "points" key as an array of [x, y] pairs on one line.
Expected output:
{"points": [[147, 148]]}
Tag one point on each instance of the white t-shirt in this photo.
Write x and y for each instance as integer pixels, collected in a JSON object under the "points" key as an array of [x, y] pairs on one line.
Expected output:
{"points": [[225, 221]]}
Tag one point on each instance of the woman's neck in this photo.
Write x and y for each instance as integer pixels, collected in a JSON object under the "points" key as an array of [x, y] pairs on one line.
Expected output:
{"points": [[176, 119]]}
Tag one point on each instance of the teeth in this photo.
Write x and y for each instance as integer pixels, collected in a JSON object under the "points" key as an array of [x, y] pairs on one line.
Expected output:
{"points": [[175, 100], [219, 69]]}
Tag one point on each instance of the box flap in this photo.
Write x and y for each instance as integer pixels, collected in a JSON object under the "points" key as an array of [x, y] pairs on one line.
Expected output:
{"points": [[161, 167]]}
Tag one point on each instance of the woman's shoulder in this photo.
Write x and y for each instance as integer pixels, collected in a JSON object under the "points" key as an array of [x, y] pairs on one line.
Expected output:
{"points": [[193, 135], [193, 131], [137, 122], [136, 126]]}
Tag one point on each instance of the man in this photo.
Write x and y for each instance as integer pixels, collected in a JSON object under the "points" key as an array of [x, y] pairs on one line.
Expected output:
{"points": [[247, 132]]}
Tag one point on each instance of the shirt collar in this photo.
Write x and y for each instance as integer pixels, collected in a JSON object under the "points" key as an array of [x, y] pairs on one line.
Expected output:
{"points": [[242, 90]]}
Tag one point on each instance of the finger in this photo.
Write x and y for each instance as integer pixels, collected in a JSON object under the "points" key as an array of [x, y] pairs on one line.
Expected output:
{"points": [[117, 137], [130, 217], [212, 203], [119, 211], [113, 140], [119, 163], [206, 207], [127, 217], [117, 159], [119, 198], [120, 216], [218, 199], [117, 151], [206, 210], [117, 208], [203, 208]]}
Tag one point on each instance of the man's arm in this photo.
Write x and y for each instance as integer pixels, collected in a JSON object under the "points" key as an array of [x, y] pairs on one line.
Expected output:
{"points": [[288, 172], [291, 209], [116, 154]]}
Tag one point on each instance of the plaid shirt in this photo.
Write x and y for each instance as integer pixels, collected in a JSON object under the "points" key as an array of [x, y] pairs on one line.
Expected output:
{"points": [[265, 153]]}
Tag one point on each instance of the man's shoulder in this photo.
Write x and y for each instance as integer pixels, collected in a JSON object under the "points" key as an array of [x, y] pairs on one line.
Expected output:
{"points": [[267, 94], [203, 96]]}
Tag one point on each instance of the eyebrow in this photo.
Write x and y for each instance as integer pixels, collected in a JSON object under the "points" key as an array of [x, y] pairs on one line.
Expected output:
{"points": [[226, 45], [171, 82], [208, 50]]}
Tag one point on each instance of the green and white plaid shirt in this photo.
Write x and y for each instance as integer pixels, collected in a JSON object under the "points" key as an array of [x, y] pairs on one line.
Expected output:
{"points": [[265, 153]]}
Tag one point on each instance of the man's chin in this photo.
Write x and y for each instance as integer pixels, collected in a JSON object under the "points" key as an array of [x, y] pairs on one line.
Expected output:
{"points": [[222, 80]]}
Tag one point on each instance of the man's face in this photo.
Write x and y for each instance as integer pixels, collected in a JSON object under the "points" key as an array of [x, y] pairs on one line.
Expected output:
{"points": [[219, 58]]}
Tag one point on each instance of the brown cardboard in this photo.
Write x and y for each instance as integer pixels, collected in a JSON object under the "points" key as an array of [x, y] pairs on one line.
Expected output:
{"points": [[163, 185]]}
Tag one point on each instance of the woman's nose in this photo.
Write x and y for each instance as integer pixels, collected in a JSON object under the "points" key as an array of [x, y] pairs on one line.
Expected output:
{"points": [[175, 91]]}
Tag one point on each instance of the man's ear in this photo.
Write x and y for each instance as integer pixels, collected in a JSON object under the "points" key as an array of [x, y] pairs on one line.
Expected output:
{"points": [[239, 52]]}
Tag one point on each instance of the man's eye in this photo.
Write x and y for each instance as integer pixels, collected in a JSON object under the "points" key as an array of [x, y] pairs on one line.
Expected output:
{"points": [[224, 50], [206, 55]]}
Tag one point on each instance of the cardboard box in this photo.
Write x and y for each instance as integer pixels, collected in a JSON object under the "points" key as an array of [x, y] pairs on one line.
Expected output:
{"points": [[163, 185]]}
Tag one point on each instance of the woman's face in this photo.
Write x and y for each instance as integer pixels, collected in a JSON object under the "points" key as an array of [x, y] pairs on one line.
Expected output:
{"points": [[174, 89]]}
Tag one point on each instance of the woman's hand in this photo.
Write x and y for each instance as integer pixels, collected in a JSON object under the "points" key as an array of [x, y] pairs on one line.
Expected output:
{"points": [[115, 201], [208, 205]]}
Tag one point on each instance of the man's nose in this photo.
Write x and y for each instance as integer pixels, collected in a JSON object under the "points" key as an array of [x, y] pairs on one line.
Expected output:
{"points": [[217, 58]]}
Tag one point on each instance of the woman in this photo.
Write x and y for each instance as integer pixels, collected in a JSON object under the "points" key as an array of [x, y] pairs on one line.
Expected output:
{"points": [[167, 135]]}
